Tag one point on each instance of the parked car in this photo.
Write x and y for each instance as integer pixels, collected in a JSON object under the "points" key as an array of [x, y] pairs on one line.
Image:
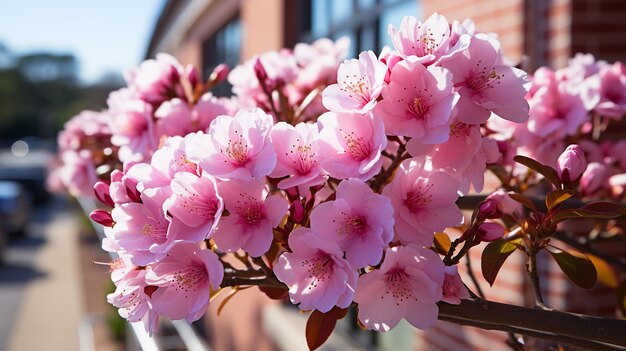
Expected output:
{"points": [[15, 207]]}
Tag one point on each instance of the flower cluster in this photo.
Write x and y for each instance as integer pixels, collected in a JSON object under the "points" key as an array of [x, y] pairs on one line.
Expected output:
{"points": [[573, 104], [332, 177]]}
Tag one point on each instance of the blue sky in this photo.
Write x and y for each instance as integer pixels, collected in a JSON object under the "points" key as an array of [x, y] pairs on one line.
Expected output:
{"points": [[105, 35]]}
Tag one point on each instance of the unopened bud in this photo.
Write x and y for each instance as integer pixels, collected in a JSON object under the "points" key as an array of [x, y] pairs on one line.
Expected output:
{"points": [[571, 164], [103, 193], [102, 217], [219, 73], [131, 189], [488, 209], [489, 231]]}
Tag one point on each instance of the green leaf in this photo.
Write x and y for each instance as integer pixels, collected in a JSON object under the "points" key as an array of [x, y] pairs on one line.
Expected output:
{"points": [[319, 326], [494, 255], [578, 267], [523, 200], [558, 196], [547, 171]]}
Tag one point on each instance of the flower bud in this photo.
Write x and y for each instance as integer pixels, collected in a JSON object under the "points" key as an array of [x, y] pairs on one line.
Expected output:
{"points": [[102, 217], [103, 194], [506, 205], [219, 73], [489, 209], [571, 164], [595, 178], [131, 189], [489, 231]]}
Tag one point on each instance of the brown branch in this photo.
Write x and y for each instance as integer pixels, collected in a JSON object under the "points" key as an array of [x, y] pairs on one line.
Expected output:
{"points": [[562, 327], [534, 275]]}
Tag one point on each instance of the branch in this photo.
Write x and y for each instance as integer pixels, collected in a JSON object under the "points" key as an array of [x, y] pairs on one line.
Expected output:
{"points": [[562, 327]]}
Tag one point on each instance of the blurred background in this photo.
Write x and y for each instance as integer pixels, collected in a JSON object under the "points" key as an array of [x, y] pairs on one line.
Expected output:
{"points": [[60, 57]]}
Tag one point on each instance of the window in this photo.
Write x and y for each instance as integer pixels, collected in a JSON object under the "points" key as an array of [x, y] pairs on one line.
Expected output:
{"points": [[224, 46], [365, 22]]}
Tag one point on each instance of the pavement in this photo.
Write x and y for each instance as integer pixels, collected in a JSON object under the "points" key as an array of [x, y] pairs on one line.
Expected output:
{"points": [[41, 302]]}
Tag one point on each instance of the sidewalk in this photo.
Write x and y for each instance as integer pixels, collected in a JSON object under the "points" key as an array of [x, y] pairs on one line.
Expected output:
{"points": [[46, 312]]}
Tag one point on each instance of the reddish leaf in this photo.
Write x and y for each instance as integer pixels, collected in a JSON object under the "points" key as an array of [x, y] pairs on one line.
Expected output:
{"points": [[442, 243], [547, 171], [606, 273], [558, 196], [523, 200], [582, 213], [274, 293], [577, 267], [494, 255], [605, 207], [320, 326]]}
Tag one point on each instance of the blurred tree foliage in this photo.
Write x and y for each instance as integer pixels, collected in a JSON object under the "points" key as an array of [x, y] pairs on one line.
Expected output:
{"points": [[40, 91]]}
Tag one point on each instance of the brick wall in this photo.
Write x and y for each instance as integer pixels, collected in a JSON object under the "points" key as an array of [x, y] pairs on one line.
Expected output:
{"points": [[599, 27], [262, 22]]}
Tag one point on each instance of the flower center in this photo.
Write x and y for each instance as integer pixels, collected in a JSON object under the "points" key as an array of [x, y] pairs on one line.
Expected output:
{"points": [[302, 157], [418, 107], [357, 87], [155, 231], [356, 147], [418, 197], [398, 286], [186, 165], [484, 78], [355, 225], [250, 211], [189, 278], [318, 268]]}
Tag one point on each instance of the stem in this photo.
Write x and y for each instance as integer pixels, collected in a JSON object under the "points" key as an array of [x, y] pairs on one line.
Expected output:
{"points": [[382, 178], [562, 327], [470, 273], [534, 276]]}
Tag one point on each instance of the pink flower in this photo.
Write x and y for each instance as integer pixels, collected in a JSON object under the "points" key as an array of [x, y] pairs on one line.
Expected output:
{"points": [[195, 207], [184, 279], [423, 200], [297, 155], [132, 127], [172, 118], [408, 285], [595, 178], [505, 204], [486, 83], [556, 109], [427, 41], [418, 102], [235, 147], [317, 275], [319, 61], [140, 229], [78, 173], [489, 231], [132, 299], [156, 80], [572, 163], [207, 109], [359, 84], [351, 145], [612, 91], [453, 288], [253, 215], [359, 221]]}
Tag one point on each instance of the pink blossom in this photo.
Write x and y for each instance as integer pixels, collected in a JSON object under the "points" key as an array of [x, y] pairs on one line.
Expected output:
{"points": [[505, 204], [140, 229], [453, 288], [427, 41], [572, 163], [78, 173], [253, 215], [486, 83], [489, 231], [297, 156], [132, 299], [184, 279], [317, 275], [408, 285], [195, 207], [556, 109], [423, 200], [612, 91], [595, 178], [132, 128], [207, 109], [359, 221], [359, 84], [351, 145], [235, 147], [318, 61], [418, 102], [156, 80], [172, 118]]}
